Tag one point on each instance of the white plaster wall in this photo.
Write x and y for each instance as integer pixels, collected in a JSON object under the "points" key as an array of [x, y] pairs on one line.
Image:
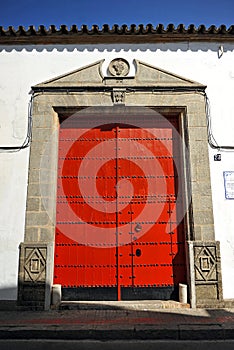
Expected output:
{"points": [[20, 68]]}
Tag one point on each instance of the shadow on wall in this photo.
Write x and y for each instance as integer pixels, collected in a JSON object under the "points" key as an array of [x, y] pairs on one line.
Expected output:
{"points": [[8, 298], [182, 46]]}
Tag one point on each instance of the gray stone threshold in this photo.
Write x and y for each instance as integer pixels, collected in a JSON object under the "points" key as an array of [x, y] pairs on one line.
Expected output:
{"points": [[144, 305]]}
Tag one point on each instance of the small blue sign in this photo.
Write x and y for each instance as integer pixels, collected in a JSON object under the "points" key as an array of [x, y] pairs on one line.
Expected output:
{"points": [[229, 184]]}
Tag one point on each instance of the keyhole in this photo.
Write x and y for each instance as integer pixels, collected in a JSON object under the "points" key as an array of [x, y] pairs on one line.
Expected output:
{"points": [[138, 252]]}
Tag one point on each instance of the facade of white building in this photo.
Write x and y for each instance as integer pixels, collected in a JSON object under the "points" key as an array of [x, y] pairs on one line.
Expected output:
{"points": [[30, 58]]}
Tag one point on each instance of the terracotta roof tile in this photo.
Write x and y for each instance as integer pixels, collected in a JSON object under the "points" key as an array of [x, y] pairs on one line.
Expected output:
{"points": [[132, 34]]}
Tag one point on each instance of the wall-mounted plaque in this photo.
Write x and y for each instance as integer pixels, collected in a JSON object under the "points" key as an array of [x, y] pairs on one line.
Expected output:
{"points": [[229, 184]]}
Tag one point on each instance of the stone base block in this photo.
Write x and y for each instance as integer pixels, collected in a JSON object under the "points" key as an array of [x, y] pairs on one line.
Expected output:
{"points": [[207, 276], [35, 276]]}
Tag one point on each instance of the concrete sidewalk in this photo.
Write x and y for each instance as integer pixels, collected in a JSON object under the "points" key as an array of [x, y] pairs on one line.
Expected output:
{"points": [[128, 322]]}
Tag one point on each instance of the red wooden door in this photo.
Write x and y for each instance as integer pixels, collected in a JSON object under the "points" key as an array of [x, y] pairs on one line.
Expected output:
{"points": [[116, 234]]}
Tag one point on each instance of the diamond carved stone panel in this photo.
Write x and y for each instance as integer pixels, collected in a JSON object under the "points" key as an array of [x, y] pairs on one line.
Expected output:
{"points": [[206, 273], [205, 264], [35, 275], [35, 264]]}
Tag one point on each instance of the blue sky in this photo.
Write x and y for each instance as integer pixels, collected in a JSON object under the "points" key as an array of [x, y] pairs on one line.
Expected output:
{"points": [[57, 12]]}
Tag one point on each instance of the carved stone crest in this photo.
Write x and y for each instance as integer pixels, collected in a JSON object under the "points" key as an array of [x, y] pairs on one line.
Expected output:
{"points": [[119, 67], [118, 96]]}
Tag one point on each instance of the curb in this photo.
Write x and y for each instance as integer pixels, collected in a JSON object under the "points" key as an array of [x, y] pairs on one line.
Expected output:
{"points": [[138, 332]]}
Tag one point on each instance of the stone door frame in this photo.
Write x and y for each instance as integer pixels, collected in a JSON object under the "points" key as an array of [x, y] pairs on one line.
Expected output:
{"points": [[87, 87]]}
